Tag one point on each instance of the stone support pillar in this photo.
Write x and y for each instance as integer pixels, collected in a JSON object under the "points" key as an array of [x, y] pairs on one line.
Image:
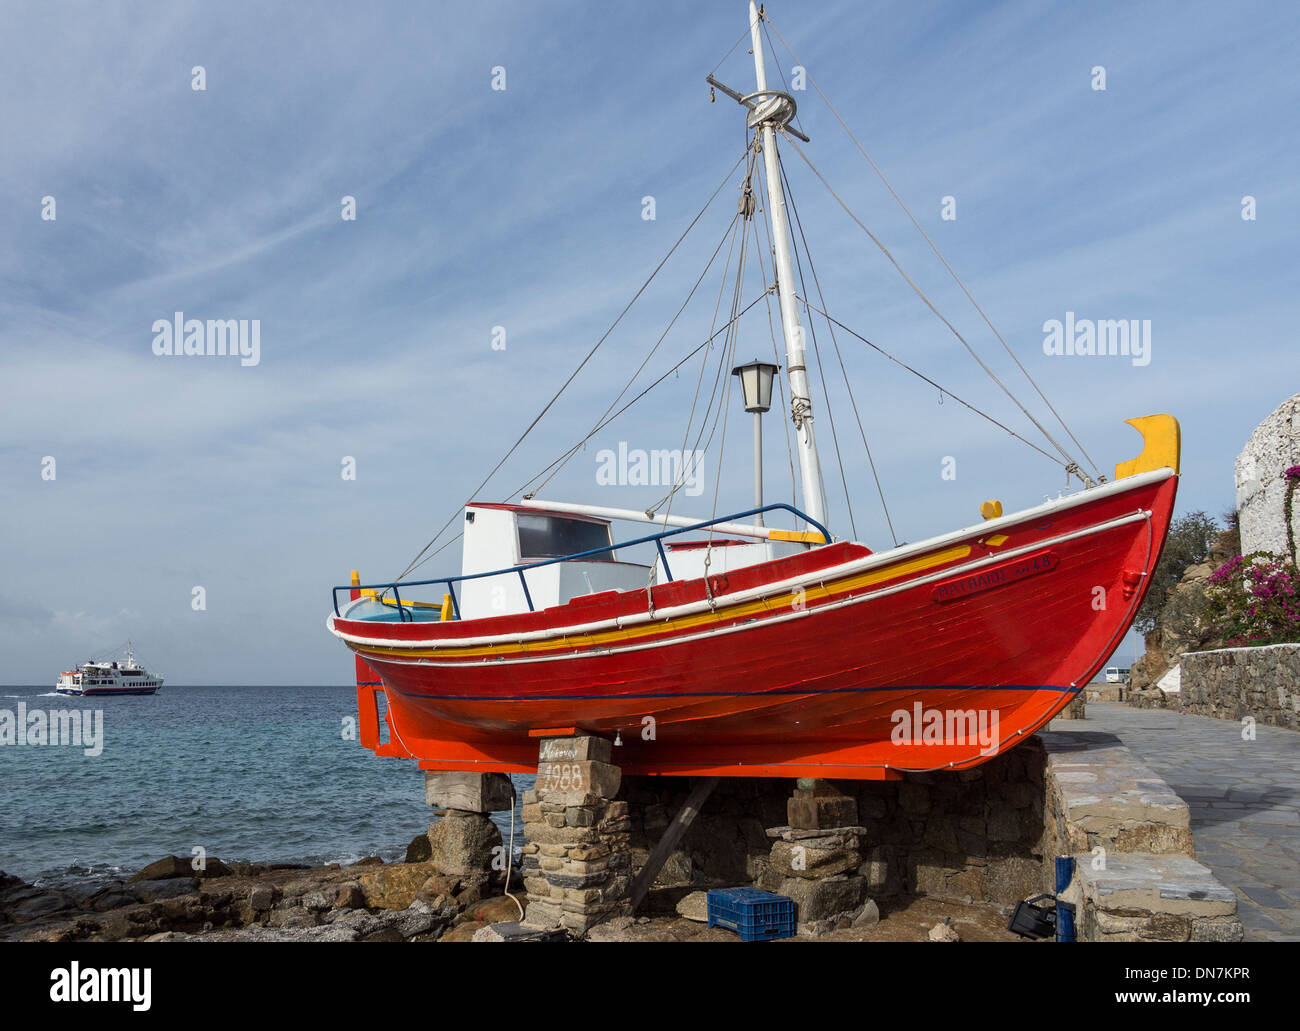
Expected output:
{"points": [[577, 860], [815, 859]]}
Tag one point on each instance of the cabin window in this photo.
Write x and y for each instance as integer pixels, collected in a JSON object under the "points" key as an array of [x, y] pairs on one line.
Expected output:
{"points": [[542, 537]]}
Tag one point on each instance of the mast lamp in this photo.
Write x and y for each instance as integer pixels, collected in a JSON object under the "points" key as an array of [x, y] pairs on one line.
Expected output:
{"points": [[756, 384]]}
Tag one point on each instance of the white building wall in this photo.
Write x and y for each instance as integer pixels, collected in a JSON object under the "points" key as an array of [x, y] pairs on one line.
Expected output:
{"points": [[1272, 448]]}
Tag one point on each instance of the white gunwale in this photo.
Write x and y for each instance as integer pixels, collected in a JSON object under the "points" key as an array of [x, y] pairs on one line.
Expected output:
{"points": [[835, 572]]}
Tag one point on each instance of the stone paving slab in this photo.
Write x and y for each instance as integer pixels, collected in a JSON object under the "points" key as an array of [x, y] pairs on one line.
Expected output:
{"points": [[1243, 797]]}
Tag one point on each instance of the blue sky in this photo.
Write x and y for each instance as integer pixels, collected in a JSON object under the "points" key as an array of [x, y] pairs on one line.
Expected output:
{"points": [[522, 208]]}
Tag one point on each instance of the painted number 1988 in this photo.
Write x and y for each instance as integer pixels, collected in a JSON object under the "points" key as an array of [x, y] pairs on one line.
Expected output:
{"points": [[559, 777]]}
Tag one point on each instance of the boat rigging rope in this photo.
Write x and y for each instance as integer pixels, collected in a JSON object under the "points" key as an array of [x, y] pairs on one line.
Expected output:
{"points": [[821, 370], [777, 359], [776, 354], [604, 336], [578, 446], [942, 390], [510, 849], [727, 352], [740, 39], [743, 218], [1070, 464], [729, 358], [951, 271], [728, 233]]}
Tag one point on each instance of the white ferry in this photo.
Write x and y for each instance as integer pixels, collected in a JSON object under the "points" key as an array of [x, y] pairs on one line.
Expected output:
{"points": [[109, 678]]}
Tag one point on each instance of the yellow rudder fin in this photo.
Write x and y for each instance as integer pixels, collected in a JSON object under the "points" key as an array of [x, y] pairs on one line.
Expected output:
{"points": [[1162, 440]]}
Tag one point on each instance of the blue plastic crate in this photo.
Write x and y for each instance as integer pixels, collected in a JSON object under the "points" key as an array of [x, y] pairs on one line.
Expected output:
{"points": [[755, 915]]}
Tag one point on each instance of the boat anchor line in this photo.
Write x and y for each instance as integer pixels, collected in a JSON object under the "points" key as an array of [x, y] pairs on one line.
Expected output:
{"points": [[396, 657]]}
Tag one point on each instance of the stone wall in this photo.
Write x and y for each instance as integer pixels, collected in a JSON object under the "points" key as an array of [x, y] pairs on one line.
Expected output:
{"points": [[1272, 448], [1136, 876], [1104, 692], [971, 836], [1100, 796], [1233, 683], [988, 835]]}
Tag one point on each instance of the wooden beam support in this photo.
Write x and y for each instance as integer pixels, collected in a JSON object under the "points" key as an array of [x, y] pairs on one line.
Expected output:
{"points": [[674, 833]]}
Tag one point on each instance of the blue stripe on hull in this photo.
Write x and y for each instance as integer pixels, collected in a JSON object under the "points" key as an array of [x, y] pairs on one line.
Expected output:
{"points": [[808, 691]]}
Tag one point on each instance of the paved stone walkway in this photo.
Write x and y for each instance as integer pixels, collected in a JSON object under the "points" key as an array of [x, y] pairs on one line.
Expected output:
{"points": [[1244, 798]]}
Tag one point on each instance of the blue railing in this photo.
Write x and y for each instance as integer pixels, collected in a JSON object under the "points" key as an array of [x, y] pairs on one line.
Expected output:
{"points": [[657, 538]]}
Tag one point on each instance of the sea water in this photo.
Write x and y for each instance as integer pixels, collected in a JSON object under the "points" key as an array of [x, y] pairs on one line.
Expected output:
{"points": [[244, 774]]}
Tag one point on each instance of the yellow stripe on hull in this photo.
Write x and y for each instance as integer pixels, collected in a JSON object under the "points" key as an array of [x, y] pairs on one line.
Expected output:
{"points": [[722, 615]]}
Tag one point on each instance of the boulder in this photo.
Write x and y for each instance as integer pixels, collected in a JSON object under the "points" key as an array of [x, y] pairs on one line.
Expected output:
{"points": [[350, 896], [420, 850], [867, 916], [439, 886], [316, 901], [501, 909], [470, 892], [384, 934], [826, 899], [464, 844], [394, 886], [116, 898], [417, 918], [291, 918], [168, 866], [213, 868], [165, 888], [805, 859], [263, 897], [943, 932], [695, 906], [462, 932], [33, 905]]}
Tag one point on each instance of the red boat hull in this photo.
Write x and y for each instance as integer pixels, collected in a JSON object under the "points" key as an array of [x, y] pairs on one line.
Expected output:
{"points": [[832, 663]]}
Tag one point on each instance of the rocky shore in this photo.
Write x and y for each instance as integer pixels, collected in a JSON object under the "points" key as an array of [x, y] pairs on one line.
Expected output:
{"points": [[170, 901], [412, 901], [376, 901]]}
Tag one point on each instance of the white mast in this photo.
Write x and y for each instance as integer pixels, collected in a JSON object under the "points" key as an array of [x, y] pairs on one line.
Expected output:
{"points": [[769, 111]]}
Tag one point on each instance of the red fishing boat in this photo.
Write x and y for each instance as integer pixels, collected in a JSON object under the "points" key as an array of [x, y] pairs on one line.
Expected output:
{"points": [[747, 650]]}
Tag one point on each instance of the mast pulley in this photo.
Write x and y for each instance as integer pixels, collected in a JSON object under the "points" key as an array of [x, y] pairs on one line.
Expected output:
{"points": [[765, 106]]}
